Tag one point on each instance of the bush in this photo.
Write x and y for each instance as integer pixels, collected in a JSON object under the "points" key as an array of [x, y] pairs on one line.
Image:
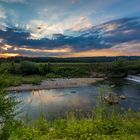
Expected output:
{"points": [[7, 113], [28, 68]]}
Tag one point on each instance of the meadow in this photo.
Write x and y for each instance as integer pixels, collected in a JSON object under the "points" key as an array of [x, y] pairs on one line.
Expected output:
{"points": [[26, 72]]}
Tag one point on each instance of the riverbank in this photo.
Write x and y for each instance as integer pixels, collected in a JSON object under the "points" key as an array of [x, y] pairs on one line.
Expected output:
{"points": [[56, 83]]}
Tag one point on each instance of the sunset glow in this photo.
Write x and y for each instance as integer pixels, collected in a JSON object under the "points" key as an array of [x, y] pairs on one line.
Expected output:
{"points": [[6, 55]]}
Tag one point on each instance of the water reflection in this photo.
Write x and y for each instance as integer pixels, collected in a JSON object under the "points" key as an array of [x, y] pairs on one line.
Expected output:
{"points": [[56, 102]]}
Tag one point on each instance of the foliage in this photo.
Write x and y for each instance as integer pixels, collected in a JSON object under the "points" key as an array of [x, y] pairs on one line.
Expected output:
{"points": [[7, 80], [13, 74], [28, 68], [8, 111], [113, 126], [7, 106]]}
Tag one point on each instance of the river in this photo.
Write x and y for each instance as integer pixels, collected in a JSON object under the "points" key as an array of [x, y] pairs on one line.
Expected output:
{"points": [[55, 103]]}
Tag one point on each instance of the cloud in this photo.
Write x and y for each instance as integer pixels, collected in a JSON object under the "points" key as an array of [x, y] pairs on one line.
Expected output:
{"points": [[128, 48], [6, 55], [10, 50], [3, 26], [2, 13], [5, 50], [3, 19], [41, 29], [59, 50], [90, 42], [93, 53], [111, 27], [15, 1], [123, 49], [80, 23], [6, 47]]}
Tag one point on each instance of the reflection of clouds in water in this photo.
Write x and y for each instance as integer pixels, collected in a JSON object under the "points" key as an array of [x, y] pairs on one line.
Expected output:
{"points": [[56, 98], [78, 101], [55, 103], [45, 97]]}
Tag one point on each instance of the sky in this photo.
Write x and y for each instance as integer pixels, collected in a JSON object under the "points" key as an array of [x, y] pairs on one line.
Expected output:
{"points": [[69, 28]]}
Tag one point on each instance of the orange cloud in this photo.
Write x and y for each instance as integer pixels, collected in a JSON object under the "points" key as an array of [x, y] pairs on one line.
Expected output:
{"points": [[6, 55], [94, 53], [6, 47], [123, 49], [131, 48], [59, 50]]}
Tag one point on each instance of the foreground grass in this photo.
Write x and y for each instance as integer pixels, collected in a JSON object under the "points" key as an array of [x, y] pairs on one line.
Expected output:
{"points": [[113, 127]]}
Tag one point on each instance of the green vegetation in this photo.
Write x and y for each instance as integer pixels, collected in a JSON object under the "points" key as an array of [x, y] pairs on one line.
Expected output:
{"points": [[7, 114], [102, 124], [99, 127], [25, 72], [7, 80]]}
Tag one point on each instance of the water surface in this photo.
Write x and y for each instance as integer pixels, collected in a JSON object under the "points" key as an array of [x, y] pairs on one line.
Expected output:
{"points": [[55, 103]]}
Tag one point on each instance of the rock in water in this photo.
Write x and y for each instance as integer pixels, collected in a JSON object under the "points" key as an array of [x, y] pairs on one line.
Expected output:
{"points": [[111, 99], [123, 97], [73, 91]]}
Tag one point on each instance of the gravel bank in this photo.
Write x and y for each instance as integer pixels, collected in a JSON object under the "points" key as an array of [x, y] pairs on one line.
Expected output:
{"points": [[56, 83]]}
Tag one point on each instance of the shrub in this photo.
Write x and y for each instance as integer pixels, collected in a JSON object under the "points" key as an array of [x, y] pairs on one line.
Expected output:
{"points": [[7, 113], [28, 68]]}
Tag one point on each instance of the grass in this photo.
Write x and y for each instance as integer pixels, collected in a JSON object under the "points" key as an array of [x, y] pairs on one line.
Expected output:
{"points": [[13, 74], [99, 127], [7, 80]]}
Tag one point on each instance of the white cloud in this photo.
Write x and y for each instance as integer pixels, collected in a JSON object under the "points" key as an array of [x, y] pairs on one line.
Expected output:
{"points": [[1, 41], [3, 26], [41, 29], [3, 18], [2, 13]]}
